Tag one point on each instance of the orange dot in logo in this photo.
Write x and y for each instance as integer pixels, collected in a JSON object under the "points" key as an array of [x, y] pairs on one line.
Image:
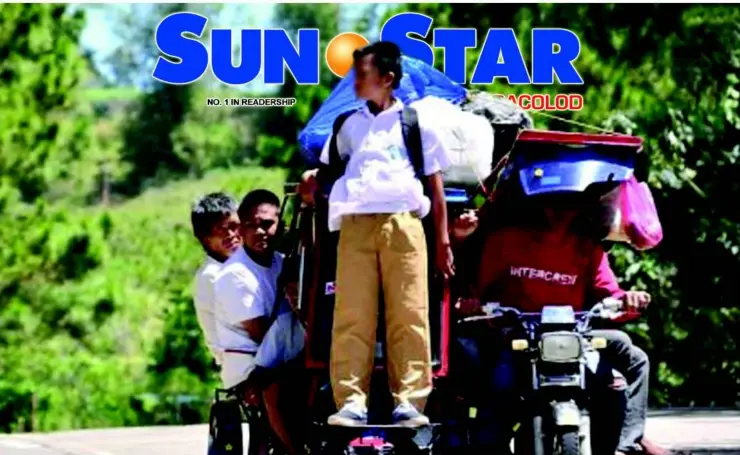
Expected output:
{"points": [[340, 49]]}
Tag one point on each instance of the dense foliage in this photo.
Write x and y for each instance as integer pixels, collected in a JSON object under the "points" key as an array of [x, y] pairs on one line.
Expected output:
{"points": [[96, 319], [670, 75]]}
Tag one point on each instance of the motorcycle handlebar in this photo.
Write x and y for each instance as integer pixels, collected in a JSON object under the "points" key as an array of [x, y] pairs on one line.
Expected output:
{"points": [[606, 309]]}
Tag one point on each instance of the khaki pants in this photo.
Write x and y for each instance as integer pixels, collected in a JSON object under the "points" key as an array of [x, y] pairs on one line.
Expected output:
{"points": [[387, 250]]}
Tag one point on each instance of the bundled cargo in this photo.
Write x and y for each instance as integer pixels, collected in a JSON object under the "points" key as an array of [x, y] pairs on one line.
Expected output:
{"points": [[492, 143], [469, 123]]}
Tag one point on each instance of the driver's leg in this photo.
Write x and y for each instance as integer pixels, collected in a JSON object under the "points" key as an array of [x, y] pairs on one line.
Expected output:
{"points": [[634, 364]]}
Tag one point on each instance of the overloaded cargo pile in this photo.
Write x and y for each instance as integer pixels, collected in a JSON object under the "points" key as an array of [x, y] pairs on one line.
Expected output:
{"points": [[480, 129], [475, 126]]}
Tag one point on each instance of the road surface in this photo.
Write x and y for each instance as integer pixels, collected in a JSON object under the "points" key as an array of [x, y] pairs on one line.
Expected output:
{"points": [[701, 432]]}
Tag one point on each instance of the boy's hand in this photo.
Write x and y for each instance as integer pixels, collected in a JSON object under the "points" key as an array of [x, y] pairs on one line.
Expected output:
{"points": [[307, 186], [468, 307], [636, 301], [445, 260], [464, 225]]}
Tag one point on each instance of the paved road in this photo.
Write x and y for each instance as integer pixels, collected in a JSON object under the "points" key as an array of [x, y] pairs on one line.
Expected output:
{"points": [[716, 432]]}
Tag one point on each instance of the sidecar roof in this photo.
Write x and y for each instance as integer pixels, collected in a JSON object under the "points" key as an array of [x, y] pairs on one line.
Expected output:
{"points": [[555, 161]]}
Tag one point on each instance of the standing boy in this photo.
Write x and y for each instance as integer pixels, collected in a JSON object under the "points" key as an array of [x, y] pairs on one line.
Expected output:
{"points": [[379, 202]]}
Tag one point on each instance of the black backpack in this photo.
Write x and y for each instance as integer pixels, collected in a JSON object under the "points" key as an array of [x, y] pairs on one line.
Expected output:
{"points": [[330, 173]]}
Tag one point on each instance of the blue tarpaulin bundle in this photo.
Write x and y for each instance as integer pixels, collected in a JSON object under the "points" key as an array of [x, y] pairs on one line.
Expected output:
{"points": [[420, 80]]}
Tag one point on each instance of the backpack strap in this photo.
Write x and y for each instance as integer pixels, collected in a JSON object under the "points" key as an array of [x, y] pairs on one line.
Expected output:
{"points": [[335, 169], [411, 138], [412, 141]]}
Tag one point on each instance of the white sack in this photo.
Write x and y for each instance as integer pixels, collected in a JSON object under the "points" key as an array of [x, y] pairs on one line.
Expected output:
{"points": [[468, 139]]}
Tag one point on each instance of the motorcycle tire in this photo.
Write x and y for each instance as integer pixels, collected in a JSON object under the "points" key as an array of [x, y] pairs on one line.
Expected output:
{"points": [[225, 432], [569, 443], [225, 429]]}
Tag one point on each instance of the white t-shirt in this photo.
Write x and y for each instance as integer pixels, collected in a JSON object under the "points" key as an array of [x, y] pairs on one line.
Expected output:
{"points": [[244, 290], [380, 177], [205, 301]]}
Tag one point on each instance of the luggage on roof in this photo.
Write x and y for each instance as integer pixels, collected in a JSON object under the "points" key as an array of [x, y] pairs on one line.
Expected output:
{"points": [[475, 126]]}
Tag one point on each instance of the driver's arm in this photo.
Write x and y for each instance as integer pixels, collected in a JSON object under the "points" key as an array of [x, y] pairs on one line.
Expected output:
{"points": [[604, 282], [242, 302]]}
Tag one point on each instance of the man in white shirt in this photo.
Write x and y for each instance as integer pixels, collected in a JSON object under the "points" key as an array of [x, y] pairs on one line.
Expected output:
{"points": [[216, 226], [379, 202], [246, 291]]}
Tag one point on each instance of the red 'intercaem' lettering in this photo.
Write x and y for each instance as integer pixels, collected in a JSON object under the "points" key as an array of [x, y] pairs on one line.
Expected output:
{"points": [[545, 275]]}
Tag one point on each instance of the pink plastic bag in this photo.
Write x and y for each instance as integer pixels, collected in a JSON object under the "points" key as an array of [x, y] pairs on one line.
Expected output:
{"points": [[636, 219]]}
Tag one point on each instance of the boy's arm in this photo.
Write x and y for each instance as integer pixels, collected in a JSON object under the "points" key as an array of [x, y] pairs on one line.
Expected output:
{"points": [[436, 160], [439, 211], [243, 304]]}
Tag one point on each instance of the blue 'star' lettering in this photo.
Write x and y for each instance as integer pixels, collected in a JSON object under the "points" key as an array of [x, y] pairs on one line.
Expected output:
{"points": [[553, 51]]}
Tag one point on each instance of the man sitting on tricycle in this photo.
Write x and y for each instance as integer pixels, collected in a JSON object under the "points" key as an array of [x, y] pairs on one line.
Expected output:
{"points": [[546, 250]]}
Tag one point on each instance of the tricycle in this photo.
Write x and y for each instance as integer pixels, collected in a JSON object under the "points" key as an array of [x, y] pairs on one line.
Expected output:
{"points": [[608, 160]]}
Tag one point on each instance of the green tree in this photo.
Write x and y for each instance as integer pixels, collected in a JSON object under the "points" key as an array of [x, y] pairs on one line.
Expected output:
{"points": [[279, 127], [673, 81], [43, 123]]}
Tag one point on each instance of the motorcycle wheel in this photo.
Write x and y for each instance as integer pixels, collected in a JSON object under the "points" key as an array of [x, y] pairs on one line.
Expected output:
{"points": [[568, 443], [224, 430], [232, 443]]}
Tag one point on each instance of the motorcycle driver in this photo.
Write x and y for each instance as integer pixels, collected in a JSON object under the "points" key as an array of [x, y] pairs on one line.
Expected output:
{"points": [[548, 252]]}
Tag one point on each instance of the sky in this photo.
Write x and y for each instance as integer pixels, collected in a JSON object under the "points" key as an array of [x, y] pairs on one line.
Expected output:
{"points": [[99, 37]]}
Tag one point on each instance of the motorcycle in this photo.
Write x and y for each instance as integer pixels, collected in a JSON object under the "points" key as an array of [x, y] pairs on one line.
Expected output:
{"points": [[557, 349]]}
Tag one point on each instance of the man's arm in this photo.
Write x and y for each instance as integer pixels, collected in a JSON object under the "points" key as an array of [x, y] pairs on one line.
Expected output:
{"points": [[604, 284], [603, 280], [204, 301], [313, 179], [256, 328], [242, 303]]}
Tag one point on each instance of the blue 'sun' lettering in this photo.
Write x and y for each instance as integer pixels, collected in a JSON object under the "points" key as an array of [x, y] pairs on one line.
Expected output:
{"points": [[192, 54], [187, 58]]}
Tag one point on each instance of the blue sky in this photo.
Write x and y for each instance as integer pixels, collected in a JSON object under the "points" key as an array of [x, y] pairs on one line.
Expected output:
{"points": [[99, 37]]}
